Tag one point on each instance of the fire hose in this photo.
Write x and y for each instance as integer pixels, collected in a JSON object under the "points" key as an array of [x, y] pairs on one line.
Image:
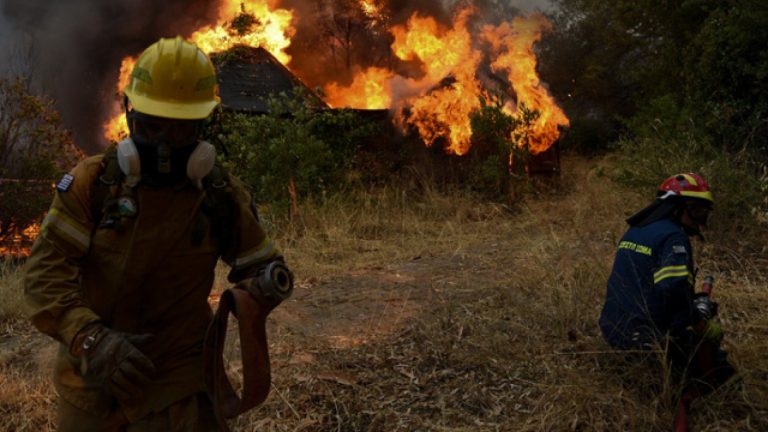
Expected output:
{"points": [[250, 305], [704, 357]]}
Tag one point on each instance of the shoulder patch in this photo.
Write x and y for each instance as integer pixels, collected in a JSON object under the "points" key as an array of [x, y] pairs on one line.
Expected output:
{"points": [[679, 249], [65, 183]]}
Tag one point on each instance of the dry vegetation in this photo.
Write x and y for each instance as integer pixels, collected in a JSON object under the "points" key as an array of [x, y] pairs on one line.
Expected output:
{"points": [[421, 311]]}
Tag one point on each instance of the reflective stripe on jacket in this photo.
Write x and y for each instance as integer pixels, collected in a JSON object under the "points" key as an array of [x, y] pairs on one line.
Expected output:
{"points": [[147, 277], [650, 289]]}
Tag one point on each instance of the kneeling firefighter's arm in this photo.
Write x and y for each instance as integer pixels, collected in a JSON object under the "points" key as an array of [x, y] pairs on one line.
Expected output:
{"points": [[674, 279], [52, 292]]}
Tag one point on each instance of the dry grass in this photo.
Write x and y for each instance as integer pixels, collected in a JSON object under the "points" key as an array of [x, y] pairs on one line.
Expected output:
{"points": [[429, 311]]}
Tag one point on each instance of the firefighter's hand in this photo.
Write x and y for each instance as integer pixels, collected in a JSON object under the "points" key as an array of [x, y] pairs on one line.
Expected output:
{"points": [[112, 359], [706, 308], [713, 332]]}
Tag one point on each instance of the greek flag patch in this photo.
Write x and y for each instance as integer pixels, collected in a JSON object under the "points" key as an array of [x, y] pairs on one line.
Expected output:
{"points": [[679, 249], [65, 183]]}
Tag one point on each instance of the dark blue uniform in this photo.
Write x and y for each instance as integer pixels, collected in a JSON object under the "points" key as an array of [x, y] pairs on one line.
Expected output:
{"points": [[650, 290]]}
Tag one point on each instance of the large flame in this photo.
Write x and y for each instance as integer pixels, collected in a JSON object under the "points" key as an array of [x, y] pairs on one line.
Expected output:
{"points": [[444, 111], [438, 100], [271, 29], [440, 103], [514, 46], [256, 23]]}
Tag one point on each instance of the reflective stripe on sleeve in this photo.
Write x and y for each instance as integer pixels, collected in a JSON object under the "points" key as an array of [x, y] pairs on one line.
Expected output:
{"points": [[67, 229], [265, 250], [671, 271]]}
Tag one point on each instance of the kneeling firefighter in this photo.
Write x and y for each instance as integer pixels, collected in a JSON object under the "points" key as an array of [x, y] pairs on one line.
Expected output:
{"points": [[125, 262], [651, 302]]}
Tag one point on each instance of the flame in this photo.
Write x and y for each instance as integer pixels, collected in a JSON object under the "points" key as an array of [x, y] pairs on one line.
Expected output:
{"points": [[514, 45], [438, 99], [116, 129], [439, 104], [371, 89], [263, 24], [445, 111], [372, 9], [18, 244], [271, 30]]}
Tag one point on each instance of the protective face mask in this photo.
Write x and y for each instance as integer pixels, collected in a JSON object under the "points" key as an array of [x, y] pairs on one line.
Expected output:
{"points": [[167, 166]]}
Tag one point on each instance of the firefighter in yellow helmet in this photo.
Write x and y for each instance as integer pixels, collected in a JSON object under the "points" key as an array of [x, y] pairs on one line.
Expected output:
{"points": [[122, 270]]}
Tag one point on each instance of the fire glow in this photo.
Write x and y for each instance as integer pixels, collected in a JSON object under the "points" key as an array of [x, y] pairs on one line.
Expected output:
{"points": [[439, 100], [18, 244], [264, 26], [444, 111]]}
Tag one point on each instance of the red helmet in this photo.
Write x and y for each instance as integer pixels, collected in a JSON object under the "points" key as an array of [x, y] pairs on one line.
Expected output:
{"points": [[687, 185]]}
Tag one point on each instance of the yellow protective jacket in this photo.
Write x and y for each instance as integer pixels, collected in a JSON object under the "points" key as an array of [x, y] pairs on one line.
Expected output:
{"points": [[147, 277]]}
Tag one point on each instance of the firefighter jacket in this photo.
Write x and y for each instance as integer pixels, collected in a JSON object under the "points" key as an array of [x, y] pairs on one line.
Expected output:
{"points": [[650, 289], [144, 274]]}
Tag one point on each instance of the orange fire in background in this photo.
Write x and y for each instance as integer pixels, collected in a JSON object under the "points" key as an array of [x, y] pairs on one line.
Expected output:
{"points": [[18, 244], [256, 23], [514, 45], [271, 29], [444, 110], [372, 9], [371, 89], [439, 102], [117, 129]]}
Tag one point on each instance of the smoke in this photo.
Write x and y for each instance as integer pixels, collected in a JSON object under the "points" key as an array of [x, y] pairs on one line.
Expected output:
{"points": [[72, 49], [335, 39]]}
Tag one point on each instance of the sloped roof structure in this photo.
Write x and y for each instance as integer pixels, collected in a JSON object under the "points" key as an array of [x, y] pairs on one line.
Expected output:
{"points": [[248, 76]]}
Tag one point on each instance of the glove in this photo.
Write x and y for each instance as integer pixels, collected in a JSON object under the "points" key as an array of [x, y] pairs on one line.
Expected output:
{"points": [[706, 308], [712, 332], [111, 359]]}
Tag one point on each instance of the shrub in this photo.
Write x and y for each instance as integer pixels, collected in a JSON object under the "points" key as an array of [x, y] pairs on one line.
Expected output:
{"points": [[734, 177], [293, 149], [500, 148]]}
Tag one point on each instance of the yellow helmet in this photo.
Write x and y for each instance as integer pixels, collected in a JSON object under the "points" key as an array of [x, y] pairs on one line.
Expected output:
{"points": [[174, 79]]}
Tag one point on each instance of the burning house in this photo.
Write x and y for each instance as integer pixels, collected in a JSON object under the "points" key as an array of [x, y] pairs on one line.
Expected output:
{"points": [[420, 69], [249, 76]]}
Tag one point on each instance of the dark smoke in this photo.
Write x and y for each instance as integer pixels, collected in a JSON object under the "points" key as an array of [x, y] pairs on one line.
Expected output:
{"points": [[76, 47], [72, 49], [335, 39]]}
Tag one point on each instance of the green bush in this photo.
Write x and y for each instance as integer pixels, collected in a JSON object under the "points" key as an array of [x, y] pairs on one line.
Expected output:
{"points": [[311, 149], [734, 178], [500, 148]]}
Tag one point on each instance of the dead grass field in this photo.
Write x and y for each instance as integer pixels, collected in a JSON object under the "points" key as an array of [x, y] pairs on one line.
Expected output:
{"points": [[424, 311]]}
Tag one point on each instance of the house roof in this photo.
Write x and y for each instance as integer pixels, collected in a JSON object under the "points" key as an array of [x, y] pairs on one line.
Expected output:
{"points": [[248, 76]]}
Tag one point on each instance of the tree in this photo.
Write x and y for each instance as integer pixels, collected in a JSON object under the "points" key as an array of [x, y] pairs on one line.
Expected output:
{"points": [[34, 150]]}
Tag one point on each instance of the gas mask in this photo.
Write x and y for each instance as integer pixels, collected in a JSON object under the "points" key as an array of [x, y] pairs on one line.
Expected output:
{"points": [[164, 151]]}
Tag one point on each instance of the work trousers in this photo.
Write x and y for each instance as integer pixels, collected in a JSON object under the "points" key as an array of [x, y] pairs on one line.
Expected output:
{"points": [[192, 414]]}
